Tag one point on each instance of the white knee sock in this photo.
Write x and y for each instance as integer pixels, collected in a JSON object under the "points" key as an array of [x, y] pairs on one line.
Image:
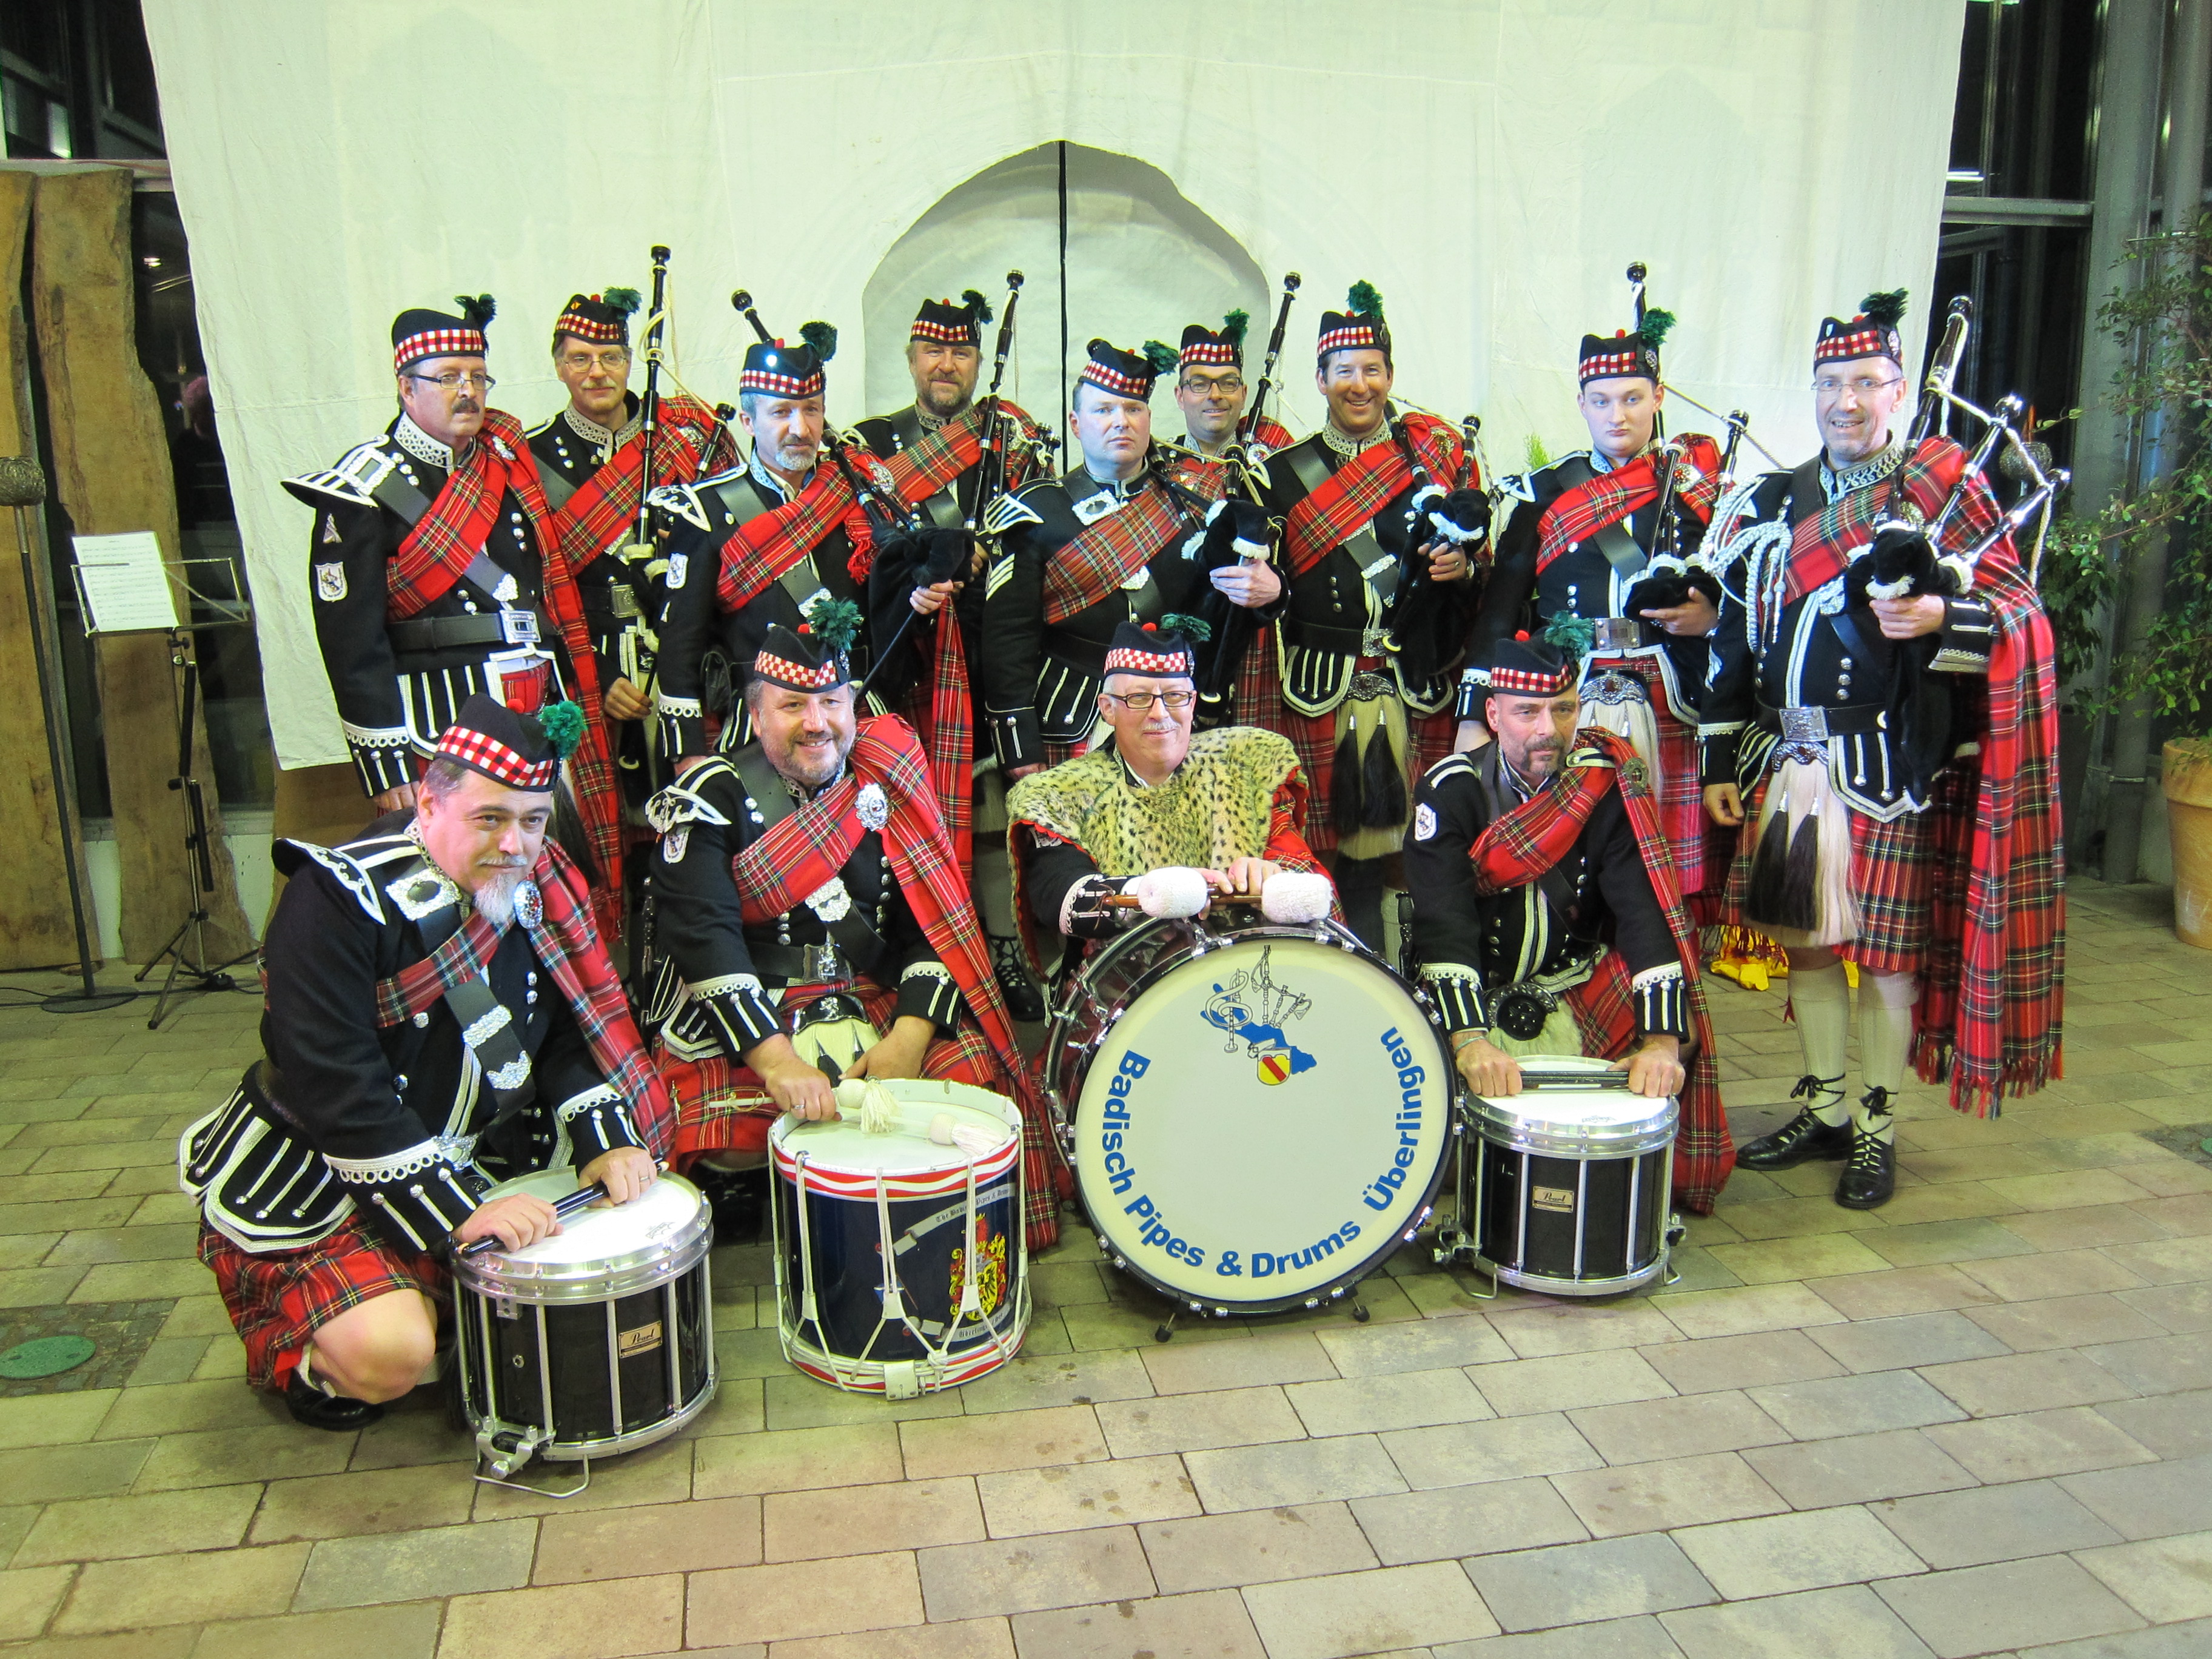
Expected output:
{"points": [[1821, 999], [308, 1376], [1884, 1036]]}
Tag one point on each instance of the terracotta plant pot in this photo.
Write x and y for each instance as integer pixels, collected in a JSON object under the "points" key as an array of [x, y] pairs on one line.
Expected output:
{"points": [[2187, 781]]}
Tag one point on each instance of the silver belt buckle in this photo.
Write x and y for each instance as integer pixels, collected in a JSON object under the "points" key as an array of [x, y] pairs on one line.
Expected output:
{"points": [[518, 627], [1617, 634], [1374, 642], [623, 600], [823, 964], [1805, 723], [1366, 687]]}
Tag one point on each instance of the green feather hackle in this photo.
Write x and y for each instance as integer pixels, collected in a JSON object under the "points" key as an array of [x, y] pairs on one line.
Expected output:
{"points": [[823, 336], [1163, 358], [624, 300], [1658, 324], [834, 623], [563, 723], [1577, 635], [1196, 630], [477, 309], [1365, 300], [1234, 324], [1887, 309], [976, 303]]}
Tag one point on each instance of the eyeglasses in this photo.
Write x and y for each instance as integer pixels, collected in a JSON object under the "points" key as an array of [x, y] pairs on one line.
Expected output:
{"points": [[1828, 385], [1228, 388], [613, 358], [454, 381], [1141, 702]]}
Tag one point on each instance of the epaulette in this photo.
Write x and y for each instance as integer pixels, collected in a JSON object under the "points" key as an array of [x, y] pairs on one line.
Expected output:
{"points": [[352, 479], [1010, 512], [290, 856], [680, 500], [1521, 486], [1448, 767], [682, 803]]}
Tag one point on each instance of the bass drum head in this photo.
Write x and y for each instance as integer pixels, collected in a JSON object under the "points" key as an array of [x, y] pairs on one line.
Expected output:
{"points": [[1264, 1124]]}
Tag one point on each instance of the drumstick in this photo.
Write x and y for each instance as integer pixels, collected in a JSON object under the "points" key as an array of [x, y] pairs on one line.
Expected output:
{"points": [[1131, 902], [582, 1199]]}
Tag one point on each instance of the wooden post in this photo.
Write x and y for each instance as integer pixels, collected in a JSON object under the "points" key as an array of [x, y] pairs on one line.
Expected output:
{"points": [[111, 467], [36, 929]]}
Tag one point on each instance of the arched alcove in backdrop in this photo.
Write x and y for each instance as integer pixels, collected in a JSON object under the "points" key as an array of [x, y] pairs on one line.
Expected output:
{"points": [[1140, 261]]}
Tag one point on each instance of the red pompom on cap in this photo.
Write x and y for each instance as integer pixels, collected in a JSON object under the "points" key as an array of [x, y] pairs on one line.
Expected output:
{"points": [[1522, 635], [1152, 627]]}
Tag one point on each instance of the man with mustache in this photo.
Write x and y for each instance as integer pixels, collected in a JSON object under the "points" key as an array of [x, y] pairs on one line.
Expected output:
{"points": [[1228, 803], [1889, 763], [1582, 538], [1126, 536], [1380, 601], [753, 548], [1212, 391], [1547, 917], [928, 616], [810, 922], [441, 1017], [591, 460], [438, 573]]}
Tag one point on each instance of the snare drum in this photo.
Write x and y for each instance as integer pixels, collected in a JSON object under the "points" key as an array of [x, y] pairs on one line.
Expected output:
{"points": [[1257, 1116], [1566, 1187], [901, 1264], [598, 1340]]}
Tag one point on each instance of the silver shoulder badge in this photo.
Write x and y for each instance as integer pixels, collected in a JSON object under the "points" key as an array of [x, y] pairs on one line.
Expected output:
{"points": [[329, 582], [874, 808]]}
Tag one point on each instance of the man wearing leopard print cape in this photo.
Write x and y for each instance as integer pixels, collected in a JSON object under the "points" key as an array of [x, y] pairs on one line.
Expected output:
{"points": [[1229, 804]]}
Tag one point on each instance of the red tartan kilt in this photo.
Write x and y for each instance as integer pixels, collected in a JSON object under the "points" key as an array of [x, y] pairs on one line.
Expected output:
{"points": [[277, 1298], [721, 1106], [1893, 872]]}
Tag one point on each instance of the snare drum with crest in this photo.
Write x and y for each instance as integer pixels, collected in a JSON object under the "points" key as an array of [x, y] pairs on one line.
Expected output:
{"points": [[1257, 1115], [597, 1340]]}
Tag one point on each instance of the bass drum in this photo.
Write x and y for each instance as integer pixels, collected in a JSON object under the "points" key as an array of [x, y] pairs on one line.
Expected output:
{"points": [[1257, 1116]]}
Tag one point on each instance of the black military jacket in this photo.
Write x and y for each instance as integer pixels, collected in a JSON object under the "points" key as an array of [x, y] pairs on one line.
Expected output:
{"points": [[398, 1122], [1473, 948], [904, 653], [569, 449]]}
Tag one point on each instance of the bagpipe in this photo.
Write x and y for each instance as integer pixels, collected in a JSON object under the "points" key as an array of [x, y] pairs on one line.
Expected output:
{"points": [[1248, 422], [1416, 632]]}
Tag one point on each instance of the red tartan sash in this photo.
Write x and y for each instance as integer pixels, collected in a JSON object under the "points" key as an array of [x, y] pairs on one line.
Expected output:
{"points": [[1348, 501], [1114, 548], [1536, 835], [567, 943], [435, 554], [943, 455], [800, 856], [605, 506], [759, 551], [1607, 498], [1823, 545]]}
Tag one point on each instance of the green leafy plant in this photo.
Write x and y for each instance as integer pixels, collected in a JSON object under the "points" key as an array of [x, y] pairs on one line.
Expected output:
{"points": [[2166, 319]]}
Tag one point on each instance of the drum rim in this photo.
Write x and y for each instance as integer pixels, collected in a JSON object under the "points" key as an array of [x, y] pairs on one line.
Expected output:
{"points": [[1496, 1122], [1332, 933], [629, 1273], [939, 1178]]}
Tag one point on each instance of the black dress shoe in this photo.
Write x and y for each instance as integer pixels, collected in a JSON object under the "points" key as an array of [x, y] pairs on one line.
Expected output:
{"points": [[1801, 1139], [318, 1410], [1024, 1001], [1869, 1180], [738, 1199]]}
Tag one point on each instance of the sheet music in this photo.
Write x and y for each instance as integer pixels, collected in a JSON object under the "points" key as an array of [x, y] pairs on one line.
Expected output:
{"points": [[126, 587]]}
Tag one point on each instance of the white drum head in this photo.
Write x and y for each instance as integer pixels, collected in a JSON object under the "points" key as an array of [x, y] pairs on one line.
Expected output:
{"points": [[663, 1208], [840, 1145], [1264, 1120]]}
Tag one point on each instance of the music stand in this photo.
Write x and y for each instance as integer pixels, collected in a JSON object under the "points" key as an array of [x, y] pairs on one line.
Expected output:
{"points": [[23, 486], [187, 961]]}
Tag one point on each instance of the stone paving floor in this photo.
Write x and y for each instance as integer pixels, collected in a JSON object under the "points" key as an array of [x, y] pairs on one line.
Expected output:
{"points": [[1977, 1421]]}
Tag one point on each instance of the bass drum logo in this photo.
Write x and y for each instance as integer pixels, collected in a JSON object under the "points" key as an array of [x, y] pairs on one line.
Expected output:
{"points": [[1253, 1010]]}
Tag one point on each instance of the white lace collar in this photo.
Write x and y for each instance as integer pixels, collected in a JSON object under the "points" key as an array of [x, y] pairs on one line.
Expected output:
{"points": [[422, 446]]}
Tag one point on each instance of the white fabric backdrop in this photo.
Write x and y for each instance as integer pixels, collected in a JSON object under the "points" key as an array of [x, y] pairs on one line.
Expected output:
{"points": [[1492, 165]]}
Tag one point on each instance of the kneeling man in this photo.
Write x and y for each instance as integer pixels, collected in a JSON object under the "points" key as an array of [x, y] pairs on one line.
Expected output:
{"points": [[811, 923], [1228, 806], [440, 1016], [1546, 916]]}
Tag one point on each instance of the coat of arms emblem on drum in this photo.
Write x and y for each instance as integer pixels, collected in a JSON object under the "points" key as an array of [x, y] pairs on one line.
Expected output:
{"points": [[1254, 1010], [990, 1268]]}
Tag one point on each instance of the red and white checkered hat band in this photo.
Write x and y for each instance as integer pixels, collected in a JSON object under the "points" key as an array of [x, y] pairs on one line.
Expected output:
{"points": [[1209, 352], [781, 670], [588, 328], [437, 342], [945, 333], [1871, 341], [780, 385], [1529, 684], [495, 759], [1360, 335], [1125, 661], [1606, 364], [1112, 379]]}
